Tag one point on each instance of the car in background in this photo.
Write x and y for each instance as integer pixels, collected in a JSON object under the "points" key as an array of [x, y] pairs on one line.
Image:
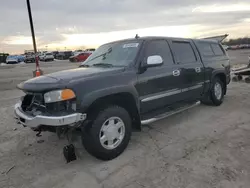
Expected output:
{"points": [[30, 58], [64, 55], [55, 53], [15, 59], [234, 47], [80, 57], [40, 56], [245, 46], [78, 51], [48, 56], [226, 47], [90, 50]]}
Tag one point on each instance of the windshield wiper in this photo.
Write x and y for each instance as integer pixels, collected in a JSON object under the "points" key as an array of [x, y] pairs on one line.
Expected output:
{"points": [[102, 55], [103, 64]]}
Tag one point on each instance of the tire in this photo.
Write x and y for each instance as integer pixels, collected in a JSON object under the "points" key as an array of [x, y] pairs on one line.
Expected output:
{"points": [[91, 138], [211, 97]]}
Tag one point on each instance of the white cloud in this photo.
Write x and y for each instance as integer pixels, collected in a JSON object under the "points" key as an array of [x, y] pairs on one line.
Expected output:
{"points": [[246, 20], [223, 8], [18, 40], [60, 23], [97, 39]]}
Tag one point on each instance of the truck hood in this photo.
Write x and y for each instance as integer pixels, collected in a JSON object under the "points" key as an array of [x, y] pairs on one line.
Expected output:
{"points": [[62, 79]]}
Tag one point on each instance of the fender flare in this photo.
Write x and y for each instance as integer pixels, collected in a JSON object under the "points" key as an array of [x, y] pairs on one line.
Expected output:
{"points": [[91, 97], [214, 74]]}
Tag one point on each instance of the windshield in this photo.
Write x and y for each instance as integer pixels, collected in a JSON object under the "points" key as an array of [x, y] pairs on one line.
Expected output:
{"points": [[12, 57], [114, 54]]}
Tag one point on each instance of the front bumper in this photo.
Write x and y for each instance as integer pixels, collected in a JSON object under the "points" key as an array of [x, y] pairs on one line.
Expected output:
{"points": [[12, 61], [36, 121], [30, 60]]}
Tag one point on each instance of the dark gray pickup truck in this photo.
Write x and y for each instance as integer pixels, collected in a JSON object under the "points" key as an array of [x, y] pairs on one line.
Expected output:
{"points": [[123, 85]]}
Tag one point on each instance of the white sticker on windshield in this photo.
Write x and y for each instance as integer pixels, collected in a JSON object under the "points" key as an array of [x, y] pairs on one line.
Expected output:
{"points": [[131, 45]]}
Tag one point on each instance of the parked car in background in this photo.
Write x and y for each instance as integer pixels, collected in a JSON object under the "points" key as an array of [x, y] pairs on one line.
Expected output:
{"points": [[80, 57], [64, 55], [78, 51], [40, 56], [55, 53], [90, 50], [14, 59], [245, 46], [225, 47], [30, 58], [48, 56]]}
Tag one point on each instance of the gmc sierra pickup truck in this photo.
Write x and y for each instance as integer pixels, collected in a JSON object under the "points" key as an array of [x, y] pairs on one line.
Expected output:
{"points": [[124, 85]]}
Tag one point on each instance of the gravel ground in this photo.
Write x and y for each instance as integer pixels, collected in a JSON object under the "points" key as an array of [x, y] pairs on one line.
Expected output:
{"points": [[204, 146]]}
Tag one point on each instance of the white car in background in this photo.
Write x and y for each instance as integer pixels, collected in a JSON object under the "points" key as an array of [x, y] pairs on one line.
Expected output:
{"points": [[46, 57], [225, 47]]}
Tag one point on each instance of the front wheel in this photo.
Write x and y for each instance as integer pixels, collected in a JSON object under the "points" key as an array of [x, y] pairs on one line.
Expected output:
{"points": [[109, 133]]}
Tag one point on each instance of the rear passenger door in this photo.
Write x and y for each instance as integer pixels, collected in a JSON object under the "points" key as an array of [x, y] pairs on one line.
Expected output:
{"points": [[191, 68], [157, 86], [214, 58]]}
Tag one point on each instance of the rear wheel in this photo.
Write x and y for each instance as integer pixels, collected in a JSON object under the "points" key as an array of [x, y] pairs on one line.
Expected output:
{"points": [[109, 133], [216, 94]]}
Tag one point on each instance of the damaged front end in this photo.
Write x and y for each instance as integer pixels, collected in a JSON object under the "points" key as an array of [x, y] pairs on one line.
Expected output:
{"points": [[49, 112]]}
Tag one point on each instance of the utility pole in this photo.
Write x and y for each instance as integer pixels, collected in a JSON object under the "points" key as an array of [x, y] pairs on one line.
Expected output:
{"points": [[38, 71]]}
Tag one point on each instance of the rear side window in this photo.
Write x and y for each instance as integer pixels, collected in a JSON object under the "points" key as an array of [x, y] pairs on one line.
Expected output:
{"points": [[160, 47], [217, 49], [184, 52], [205, 49]]}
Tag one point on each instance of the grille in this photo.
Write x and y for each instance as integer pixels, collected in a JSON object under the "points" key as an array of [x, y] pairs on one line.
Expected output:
{"points": [[34, 104]]}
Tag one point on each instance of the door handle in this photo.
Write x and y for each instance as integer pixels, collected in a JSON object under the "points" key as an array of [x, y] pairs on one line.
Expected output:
{"points": [[197, 69], [176, 73]]}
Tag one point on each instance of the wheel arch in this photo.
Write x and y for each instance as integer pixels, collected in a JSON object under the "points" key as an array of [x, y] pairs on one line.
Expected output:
{"points": [[123, 99], [222, 76]]}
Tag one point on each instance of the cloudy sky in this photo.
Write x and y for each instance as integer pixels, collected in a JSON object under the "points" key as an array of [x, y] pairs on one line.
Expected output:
{"points": [[89, 23]]}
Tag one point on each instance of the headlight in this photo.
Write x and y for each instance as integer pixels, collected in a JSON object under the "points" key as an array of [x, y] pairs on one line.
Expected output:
{"points": [[59, 95]]}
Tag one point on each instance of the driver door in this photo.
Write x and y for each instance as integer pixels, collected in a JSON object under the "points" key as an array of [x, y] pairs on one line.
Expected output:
{"points": [[161, 85]]}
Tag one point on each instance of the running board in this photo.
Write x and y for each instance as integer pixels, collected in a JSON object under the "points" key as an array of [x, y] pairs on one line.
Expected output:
{"points": [[162, 116]]}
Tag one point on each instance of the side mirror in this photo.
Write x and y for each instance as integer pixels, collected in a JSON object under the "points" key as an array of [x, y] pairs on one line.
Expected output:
{"points": [[154, 60]]}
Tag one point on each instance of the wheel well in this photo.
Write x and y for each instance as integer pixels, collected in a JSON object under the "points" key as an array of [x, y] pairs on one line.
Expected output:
{"points": [[125, 100], [222, 77]]}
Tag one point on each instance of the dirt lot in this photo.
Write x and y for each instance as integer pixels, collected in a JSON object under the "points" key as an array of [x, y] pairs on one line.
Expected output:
{"points": [[205, 147]]}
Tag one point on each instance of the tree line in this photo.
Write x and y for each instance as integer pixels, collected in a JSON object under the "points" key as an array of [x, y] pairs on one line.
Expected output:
{"points": [[245, 40]]}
